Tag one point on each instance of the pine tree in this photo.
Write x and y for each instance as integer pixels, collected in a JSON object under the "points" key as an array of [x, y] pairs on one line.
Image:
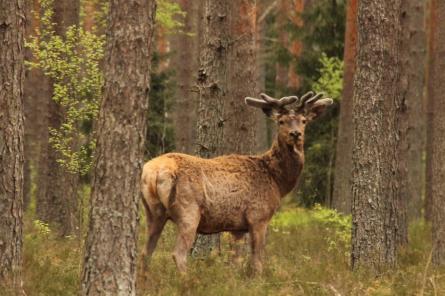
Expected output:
{"points": [[12, 31], [121, 130], [376, 106]]}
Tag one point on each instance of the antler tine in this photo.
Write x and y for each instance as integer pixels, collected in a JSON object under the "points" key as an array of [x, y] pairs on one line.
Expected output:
{"points": [[306, 96], [288, 100], [307, 100], [270, 100]]}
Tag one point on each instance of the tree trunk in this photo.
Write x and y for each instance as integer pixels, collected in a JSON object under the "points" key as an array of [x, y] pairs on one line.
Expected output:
{"points": [[185, 61], [431, 85], [213, 83], [296, 47], [12, 31], [58, 198], [342, 194], [121, 130], [375, 118], [281, 68], [437, 100], [412, 119], [240, 122], [261, 120]]}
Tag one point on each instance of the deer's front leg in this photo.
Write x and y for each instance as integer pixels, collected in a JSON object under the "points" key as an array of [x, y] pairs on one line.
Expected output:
{"points": [[258, 241]]}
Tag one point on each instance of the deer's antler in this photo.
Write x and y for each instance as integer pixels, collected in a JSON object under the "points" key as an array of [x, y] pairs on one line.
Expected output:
{"points": [[267, 102], [309, 100]]}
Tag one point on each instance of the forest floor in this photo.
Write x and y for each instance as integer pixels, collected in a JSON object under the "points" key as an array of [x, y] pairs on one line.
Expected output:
{"points": [[307, 254]]}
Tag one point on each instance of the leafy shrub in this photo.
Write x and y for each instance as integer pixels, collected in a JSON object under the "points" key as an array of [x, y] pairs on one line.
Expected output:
{"points": [[73, 64], [316, 185]]}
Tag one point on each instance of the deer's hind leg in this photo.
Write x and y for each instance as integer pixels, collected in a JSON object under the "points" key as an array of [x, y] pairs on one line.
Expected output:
{"points": [[187, 221], [156, 219]]}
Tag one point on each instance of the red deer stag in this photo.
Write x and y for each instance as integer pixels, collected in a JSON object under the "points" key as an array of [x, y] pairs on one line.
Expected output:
{"points": [[235, 193]]}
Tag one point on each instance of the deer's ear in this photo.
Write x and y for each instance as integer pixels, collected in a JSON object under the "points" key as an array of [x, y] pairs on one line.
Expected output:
{"points": [[318, 108]]}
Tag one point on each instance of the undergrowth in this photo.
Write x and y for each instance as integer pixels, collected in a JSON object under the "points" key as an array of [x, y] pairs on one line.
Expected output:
{"points": [[307, 254]]}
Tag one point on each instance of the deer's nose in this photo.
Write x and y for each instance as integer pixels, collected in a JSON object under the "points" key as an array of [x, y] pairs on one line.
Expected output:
{"points": [[295, 134]]}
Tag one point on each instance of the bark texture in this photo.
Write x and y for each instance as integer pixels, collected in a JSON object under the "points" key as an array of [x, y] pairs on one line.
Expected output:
{"points": [[412, 115], [281, 69], [121, 130], [430, 105], [375, 107], [212, 84], [57, 196], [12, 31], [185, 61], [342, 194], [262, 143], [437, 99]]}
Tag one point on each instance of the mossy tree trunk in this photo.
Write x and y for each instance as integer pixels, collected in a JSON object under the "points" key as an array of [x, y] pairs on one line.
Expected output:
{"points": [[111, 246]]}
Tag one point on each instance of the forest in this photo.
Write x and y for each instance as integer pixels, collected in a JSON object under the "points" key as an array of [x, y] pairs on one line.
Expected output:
{"points": [[215, 147]]}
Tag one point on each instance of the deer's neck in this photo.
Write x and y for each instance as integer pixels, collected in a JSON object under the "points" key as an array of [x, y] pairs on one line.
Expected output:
{"points": [[285, 164]]}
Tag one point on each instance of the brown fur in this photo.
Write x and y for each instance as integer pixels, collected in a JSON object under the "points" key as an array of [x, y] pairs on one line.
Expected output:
{"points": [[235, 193]]}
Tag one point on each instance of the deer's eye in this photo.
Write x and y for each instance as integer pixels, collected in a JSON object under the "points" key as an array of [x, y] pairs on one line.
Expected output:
{"points": [[281, 121], [304, 121]]}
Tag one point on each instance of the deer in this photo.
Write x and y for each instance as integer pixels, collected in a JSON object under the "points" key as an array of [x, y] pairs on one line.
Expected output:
{"points": [[231, 193]]}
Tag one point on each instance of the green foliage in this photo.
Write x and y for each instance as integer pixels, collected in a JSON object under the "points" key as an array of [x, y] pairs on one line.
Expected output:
{"points": [[331, 77], [170, 16], [72, 62]]}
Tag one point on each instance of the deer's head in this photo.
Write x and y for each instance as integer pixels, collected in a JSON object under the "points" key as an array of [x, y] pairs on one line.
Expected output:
{"points": [[291, 114]]}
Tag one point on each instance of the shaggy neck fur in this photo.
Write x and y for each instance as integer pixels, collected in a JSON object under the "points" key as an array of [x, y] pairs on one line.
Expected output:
{"points": [[285, 164]]}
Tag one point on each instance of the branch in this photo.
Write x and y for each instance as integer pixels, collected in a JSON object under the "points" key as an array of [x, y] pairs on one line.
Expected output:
{"points": [[267, 11]]}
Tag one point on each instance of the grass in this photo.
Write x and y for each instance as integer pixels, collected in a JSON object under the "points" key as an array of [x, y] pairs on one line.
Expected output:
{"points": [[307, 254]]}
